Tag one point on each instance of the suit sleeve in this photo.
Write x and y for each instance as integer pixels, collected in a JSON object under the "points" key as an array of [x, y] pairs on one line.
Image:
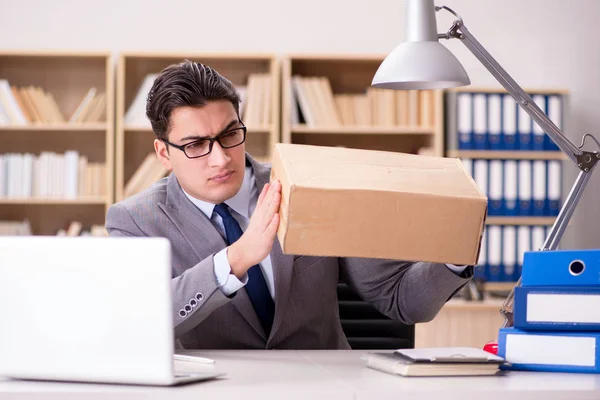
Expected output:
{"points": [[196, 292], [404, 291]]}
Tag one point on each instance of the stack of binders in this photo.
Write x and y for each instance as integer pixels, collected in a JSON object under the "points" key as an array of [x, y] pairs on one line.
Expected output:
{"points": [[494, 121], [556, 314]]}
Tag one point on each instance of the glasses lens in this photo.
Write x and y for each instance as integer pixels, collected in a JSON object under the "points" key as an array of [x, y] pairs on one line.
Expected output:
{"points": [[232, 138], [197, 148]]}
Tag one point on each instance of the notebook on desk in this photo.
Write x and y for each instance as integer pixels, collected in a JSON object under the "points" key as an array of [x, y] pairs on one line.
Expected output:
{"points": [[441, 361], [88, 309]]}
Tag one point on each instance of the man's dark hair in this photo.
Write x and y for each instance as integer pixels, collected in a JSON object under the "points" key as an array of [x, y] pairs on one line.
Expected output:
{"points": [[190, 84]]}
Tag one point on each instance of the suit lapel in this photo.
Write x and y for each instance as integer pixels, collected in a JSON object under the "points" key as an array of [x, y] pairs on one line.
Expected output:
{"points": [[204, 239], [195, 227], [282, 263]]}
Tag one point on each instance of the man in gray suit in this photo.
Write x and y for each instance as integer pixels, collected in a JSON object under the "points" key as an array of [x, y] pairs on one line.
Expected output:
{"points": [[232, 285]]}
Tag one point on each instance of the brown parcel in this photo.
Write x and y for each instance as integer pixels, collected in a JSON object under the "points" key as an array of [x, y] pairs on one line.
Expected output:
{"points": [[364, 203]]}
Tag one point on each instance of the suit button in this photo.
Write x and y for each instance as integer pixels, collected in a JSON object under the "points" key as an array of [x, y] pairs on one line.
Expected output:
{"points": [[188, 308], [182, 313], [193, 303], [199, 296]]}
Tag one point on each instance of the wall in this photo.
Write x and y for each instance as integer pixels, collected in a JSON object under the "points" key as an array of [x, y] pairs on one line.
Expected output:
{"points": [[541, 43]]}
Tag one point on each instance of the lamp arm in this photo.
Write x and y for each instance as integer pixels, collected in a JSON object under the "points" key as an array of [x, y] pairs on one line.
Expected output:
{"points": [[585, 160]]}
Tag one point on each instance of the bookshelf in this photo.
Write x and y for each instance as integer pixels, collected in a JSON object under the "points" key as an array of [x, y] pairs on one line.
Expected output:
{"points": [[252, 73], [515, 164], [57, 135], [328, 100], [462, 323]]}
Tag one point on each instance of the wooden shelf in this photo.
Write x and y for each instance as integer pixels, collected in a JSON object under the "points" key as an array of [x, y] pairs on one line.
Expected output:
{"points": [[520, 220], [251, 129], [363, 130], [513, 155], [352, 74], [68, 76], [58, 201], [485, 304], [95, 127], [176, 56], [499, 286], [134, 143], [469, 89]]}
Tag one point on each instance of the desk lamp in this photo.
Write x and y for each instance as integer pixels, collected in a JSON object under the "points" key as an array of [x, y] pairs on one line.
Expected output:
{"points": [[423, 63]]}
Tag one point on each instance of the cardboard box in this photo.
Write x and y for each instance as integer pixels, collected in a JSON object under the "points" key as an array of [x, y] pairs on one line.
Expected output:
{"points": [[364, 203]]}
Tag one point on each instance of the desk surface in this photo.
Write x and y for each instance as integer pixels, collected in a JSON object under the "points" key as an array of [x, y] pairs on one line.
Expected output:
{"points": [[278, 374]]}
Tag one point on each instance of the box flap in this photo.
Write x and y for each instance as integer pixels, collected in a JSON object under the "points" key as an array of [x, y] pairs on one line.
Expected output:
{"points": [[341, 168]]}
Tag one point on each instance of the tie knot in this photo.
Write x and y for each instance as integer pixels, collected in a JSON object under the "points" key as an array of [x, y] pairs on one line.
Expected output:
{"points": [[223, 210]]}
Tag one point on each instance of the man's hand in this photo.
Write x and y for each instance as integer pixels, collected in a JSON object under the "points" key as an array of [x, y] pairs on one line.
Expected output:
{"points": [[256, 243]]}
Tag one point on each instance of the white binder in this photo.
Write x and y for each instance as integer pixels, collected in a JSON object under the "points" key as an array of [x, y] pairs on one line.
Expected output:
{"points": [[510, 187], [539, 136], [509, 121], [539, 187], [495, 194], [524, 130], [525, 188], [523, 243], [538, 235], [480, 174], [494, 252], [479, 121], [495, 121], [509, 252], [554, 186], [465, 117]]}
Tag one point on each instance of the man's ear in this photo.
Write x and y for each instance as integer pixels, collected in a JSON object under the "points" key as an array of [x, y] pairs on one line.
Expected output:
{"points": [[162, 153]]}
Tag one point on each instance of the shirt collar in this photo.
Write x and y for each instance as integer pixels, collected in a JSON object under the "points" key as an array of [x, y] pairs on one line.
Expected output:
{"points": [[240, 203]]}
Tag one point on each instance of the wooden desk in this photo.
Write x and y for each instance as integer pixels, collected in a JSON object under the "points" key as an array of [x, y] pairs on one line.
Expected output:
{"points": [[278, 374]]}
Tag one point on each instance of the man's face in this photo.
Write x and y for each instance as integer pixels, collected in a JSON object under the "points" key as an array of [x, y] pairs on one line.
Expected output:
{"points": [[217, 176]]}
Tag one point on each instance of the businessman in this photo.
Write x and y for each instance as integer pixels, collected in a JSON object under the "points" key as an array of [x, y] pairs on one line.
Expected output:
{"points": [[232, 285]]}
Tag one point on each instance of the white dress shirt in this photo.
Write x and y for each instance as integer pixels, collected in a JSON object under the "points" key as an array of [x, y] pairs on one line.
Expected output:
{"points": [[242, 206]]}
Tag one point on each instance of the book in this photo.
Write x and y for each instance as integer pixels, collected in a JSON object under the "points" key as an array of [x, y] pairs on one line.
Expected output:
{"points": [[440, 361]]}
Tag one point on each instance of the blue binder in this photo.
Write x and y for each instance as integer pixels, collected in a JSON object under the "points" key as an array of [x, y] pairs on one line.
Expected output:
{"points": [[495, 188], [561, 268], [550, 351], [525, 188], [495, 135], [554, 111], [464, 111], [524, 124], [509, 122], [550, 308], [540, 187], [482, 262], [538, 141], [494, 253], [511, 187], [480, 125], [554, 193]]}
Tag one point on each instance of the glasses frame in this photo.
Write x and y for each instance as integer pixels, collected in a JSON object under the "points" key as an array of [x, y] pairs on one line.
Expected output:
{"points": [[211, 141]]}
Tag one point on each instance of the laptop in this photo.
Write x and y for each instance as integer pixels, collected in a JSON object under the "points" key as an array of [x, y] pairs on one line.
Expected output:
{"points": [[88, 309]]}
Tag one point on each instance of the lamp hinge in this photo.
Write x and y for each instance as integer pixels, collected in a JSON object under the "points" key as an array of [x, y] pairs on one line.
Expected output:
{"points": [[587, 159]]}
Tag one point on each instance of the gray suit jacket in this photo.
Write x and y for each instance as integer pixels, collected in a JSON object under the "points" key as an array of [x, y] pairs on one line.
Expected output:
{"points": [[306, 308]]}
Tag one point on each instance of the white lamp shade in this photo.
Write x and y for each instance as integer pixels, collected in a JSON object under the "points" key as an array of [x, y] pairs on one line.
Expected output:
{"points": [[420, 65], [421, 62]]}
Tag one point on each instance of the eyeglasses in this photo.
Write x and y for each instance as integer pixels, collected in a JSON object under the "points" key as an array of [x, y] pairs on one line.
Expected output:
{"points": [[202, 147]]}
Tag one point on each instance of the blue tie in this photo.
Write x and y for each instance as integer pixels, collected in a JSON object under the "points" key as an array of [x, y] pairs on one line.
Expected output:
{"points": [[257, 288]]}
